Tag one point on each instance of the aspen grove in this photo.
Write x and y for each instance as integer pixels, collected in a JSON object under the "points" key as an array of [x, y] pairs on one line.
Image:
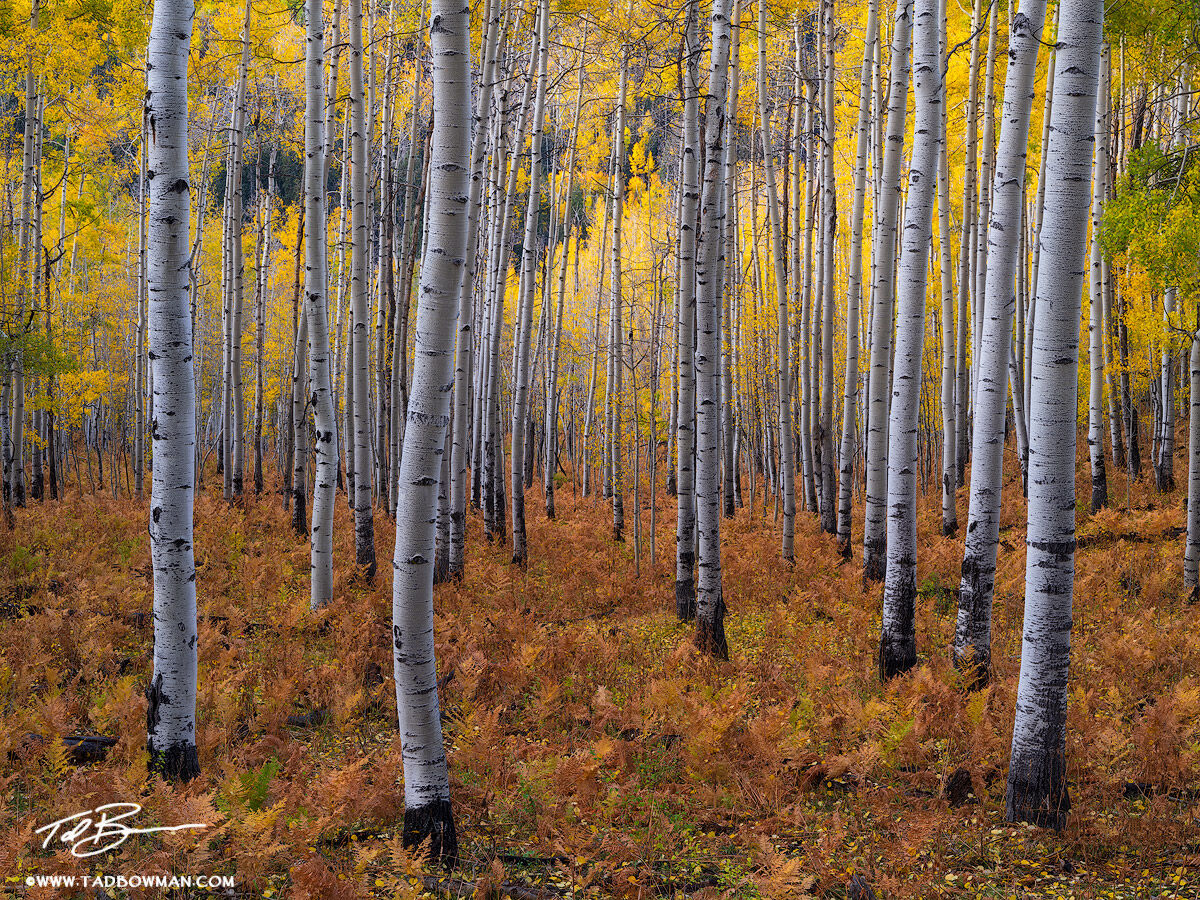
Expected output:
{"points": [[782, 416]]}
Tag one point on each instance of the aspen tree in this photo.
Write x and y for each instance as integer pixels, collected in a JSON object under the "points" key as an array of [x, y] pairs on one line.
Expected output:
{"points": [[875, 511], [710, 604], [27, 262], [1037, 773], [897, 646], [828, 241], [171, 713], [614, 352], [854, 285], [1095, 433], [1191, 553], [731, 270], [522, 331], [364, 522], [1164, 464], [317, 309], [234, 463], [466, 331], [428, 818], [689, 173], [946, 266], [972, 644], [786, 458], [552, 389], [963, 387]]}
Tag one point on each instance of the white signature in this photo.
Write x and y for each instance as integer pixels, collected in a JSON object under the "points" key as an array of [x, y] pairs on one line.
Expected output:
{"points": [[96, 831]]}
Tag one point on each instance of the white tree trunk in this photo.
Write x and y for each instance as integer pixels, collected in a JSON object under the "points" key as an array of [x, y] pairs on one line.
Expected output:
{"points": [[847, 456], [962, 386], [1095, 435], [897, 646], [685, 523], [529, 280], [466, 313], [1191, 554], [828, 242], [787, 463], [427, 814], [1037, 776], [949, 429], [710, 604], [364, 522], [616, 364], [317, 304], [875, 512], [171, 714], [972, 642]]}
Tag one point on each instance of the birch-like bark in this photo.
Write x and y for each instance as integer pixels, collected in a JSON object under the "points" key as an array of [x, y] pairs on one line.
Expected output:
{"points": [[299, 416], [731, 270], [710, 604], [427, 816], [1191, 554], [946, 266], [529, 280], [828, 241], [617, 365], [236, 463], [807, 463], [875, 511], [685, 523], [27, 262], [847, 456], [962, 386], [787, 463], [171, 713], [1095, 434], [463, 359], [139, 370], [898, 646], [550, 468], [1039, 205], [983, 220], [263, 280], [317, 306], [364, 522], [1037, 773], [973, 634], [1164, 468]]}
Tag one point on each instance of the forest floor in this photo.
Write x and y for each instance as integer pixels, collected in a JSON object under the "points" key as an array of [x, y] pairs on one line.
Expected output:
{"points": [[592, 752]]}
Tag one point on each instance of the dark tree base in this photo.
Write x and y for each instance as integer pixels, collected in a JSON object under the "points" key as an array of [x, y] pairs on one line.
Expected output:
{"points": [[1037, 791], [874, 561], [949, 529], [364, 552], [441, 569], [685, 600], [843, 547], [520, 559], [1099, 491], [299, 514], [896, 657], [179, 762], [1164, 481], [618, 534], [710, 634], [431, 828]]}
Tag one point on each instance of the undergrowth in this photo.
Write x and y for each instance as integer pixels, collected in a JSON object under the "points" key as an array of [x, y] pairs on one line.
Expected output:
{"points": [[592, 752]]}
